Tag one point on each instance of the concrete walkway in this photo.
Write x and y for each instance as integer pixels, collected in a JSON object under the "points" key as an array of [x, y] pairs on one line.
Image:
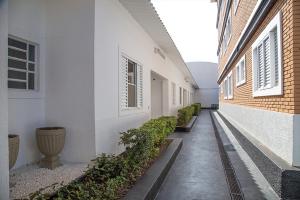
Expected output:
{"points": [[197, 172]]}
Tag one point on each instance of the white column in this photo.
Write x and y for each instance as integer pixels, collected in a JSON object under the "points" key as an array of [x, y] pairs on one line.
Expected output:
{"points": [[4, 171]]}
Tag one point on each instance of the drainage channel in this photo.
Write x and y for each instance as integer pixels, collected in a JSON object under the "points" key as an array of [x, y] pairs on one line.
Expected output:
{"points": [[232, 181]]}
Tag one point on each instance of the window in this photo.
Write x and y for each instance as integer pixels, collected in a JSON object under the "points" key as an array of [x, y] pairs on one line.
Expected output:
{"points": [[180, 95], [228, 89], [227, 33], [221, 87], [173, 93], [228, 29], [241, 72], [131, 84], [22, 64], [235, 5], [266, 52]]}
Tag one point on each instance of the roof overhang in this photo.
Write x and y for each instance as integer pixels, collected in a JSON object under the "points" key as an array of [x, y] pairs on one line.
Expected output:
{"points": [[145, 14]]}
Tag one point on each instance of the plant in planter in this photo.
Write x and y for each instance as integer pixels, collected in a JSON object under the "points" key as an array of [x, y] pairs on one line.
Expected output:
{"points": [[13, 144], [50, 141]]}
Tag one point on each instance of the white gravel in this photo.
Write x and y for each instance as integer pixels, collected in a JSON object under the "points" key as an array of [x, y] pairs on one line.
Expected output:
{"points": [[31, 178]]}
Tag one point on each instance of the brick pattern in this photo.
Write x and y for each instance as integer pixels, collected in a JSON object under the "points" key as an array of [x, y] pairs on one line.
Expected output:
{"points": [[289, 102]]}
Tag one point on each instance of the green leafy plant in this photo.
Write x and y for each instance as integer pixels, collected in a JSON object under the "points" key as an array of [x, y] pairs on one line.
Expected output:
{"points": [[110, 175], [185, 115], [171, 122], [197, 108]]}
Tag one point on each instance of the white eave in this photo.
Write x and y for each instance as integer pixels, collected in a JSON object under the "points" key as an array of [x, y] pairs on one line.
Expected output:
{"points": [[145, 14]]}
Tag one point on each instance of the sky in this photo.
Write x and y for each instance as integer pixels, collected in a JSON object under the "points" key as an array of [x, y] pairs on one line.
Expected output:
{"points": [[192, 26]]}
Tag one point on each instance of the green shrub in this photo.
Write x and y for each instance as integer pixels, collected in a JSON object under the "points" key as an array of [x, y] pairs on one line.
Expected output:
{"points": [[185, 115], [197, 108], [110, 174], [171, 122], [157, 128]]}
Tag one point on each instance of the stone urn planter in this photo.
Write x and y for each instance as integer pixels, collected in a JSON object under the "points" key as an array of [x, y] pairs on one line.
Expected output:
{"points": [[50, 141], [13, 145]]}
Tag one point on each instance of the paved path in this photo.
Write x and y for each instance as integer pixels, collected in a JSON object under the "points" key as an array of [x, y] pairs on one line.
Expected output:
{"points": [[197, 172]]}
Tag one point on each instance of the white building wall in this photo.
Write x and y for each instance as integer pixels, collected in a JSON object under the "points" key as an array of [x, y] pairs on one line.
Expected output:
{"points": [[117, 32], [4, 182], [26, 20], [276, 131], [206, 76], [69, 81]]}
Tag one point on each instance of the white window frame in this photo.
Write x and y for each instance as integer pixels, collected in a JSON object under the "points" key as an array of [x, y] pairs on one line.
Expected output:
{"points": [[27, 61], [228, 91], [238, 73], [125, 110], [221, 87], [180, 96], [235, 5], [273, 89], [173, 93]]}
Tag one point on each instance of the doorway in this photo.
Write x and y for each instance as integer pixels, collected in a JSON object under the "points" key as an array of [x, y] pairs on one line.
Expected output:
{"points": [[159, 95]]}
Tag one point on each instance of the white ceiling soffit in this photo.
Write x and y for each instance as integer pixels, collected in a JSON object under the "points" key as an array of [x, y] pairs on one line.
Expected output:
{"points": [[145, 14]]}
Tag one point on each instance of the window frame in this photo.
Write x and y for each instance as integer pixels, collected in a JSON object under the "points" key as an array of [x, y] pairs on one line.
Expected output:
{"points": [[228, 78], [140, 72], [235, 5], [27, 61], [273, 90], [240, 81], [173, 94], [180, 96]]}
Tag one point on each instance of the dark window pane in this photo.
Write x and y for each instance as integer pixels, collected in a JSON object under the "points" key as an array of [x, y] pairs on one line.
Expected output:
{"points": [[31, 67], [16, 43], [16, 64], [131, 72], [16, 85], [16, 75], [32, 53], [31, 81], [132, 96], [16, 54]]}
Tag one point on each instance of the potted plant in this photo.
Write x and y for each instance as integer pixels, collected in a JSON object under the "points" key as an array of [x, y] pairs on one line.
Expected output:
{"points": [[50, 141], [13, 145]]}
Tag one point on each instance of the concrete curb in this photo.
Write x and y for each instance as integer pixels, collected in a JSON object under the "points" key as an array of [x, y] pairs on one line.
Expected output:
{"points": [[149, 184], [188, 127]]}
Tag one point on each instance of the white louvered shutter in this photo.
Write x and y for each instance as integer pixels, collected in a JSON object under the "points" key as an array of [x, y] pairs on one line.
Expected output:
{"points": [[140, 86], [260, 67], [238, 73], [124, 83], [276, 57], [242, 70], [267, 69]]}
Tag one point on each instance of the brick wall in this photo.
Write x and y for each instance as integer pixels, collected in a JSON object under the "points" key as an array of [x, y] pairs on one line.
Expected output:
{"points": [[289, 102]]}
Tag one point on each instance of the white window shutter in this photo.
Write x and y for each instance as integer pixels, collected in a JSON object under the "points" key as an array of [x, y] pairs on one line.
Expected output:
{"points": [[267, 68], [124, 83], [260, 70], [274, 57], [140, 86]]}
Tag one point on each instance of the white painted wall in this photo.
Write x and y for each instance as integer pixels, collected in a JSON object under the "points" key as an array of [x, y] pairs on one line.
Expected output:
{"points": [[4, 182], [117, 32], [276, 131], [69, 81], [156, 98], [26, 19], [206, 76], [207, 96]]}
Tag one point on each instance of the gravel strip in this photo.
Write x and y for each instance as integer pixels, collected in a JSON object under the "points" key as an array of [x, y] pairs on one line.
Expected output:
{"points": [[29, 179]]}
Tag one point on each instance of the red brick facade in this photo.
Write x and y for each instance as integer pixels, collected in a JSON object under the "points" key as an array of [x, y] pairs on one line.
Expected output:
{"points": [[289, 102]]}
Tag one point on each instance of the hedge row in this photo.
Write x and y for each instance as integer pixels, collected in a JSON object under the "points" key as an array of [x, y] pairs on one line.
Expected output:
{"points": [[185, 114], [197, 108], [110, 174]]}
